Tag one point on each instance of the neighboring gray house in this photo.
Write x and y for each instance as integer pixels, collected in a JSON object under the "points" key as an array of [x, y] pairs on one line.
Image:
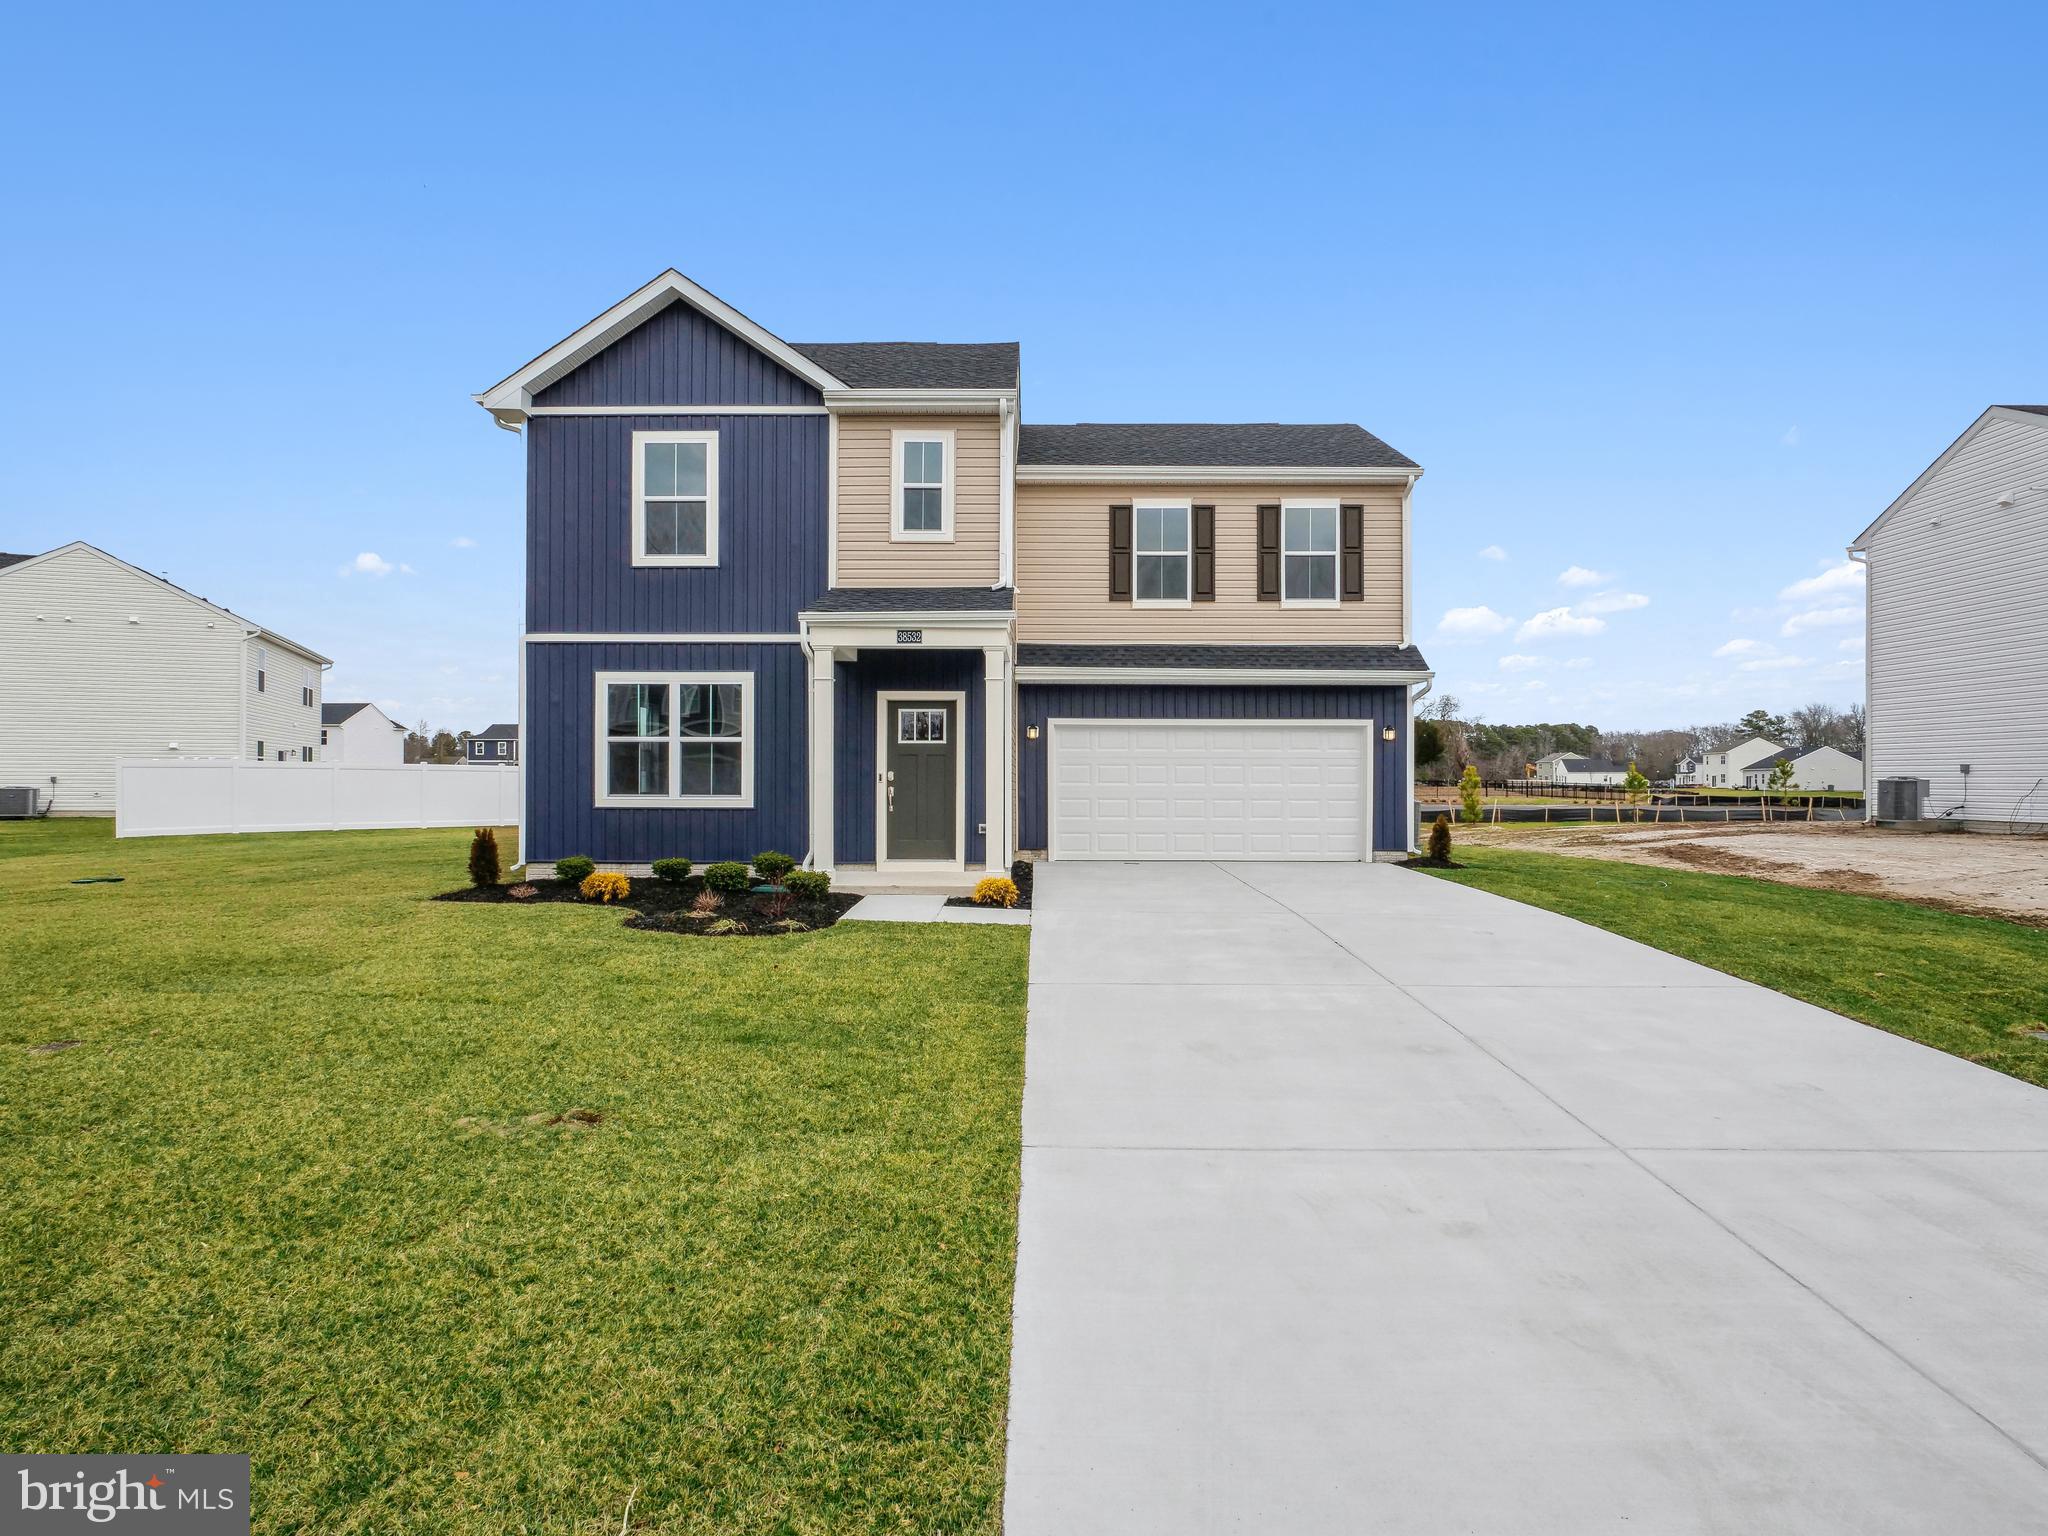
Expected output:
{"points": [[498, 744], [100, 660], [1956, 627], [361, 733]]}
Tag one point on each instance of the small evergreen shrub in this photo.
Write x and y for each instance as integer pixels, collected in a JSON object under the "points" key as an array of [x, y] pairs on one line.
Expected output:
{"points": [[726, 876], [483, 857], [772, 866], [673, 871], [1471, 793], [1440, 840], [575, 871], [808, 884], [995, 891], [606, 886]]}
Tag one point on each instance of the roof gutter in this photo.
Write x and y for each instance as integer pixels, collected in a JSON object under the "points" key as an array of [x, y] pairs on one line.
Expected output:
{"points": [[1215, 474]]}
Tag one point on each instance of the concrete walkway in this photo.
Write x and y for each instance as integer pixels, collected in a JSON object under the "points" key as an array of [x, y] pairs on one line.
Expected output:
{"points": [[1357, 1201]]}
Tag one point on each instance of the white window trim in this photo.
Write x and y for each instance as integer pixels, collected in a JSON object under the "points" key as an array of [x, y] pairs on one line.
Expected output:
{"points": [[743, 801], [1158, 503], [1337, 556], [640, 442], [944, 532]]}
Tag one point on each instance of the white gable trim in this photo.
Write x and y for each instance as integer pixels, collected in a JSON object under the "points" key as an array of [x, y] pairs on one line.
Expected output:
{"points": [[511, 398], [254, 630], [1994, 413]]}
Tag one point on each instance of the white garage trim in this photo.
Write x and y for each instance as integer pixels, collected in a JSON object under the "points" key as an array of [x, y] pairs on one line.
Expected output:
{"points": [[1360, 731]]}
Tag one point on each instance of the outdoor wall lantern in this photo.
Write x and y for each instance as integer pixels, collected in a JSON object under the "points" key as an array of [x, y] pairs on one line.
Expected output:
{"points": [[1031, 733], [1387, 733]]}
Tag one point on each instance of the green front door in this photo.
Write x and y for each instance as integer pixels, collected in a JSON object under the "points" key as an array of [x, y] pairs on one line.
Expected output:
{"points": [[920, 774]]}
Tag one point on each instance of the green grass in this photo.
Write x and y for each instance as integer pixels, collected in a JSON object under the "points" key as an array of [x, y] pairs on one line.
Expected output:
{"points": [[1971, 986], [290, 1197]]}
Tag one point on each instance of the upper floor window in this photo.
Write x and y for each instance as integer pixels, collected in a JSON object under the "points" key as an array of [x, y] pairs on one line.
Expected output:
{"points": [[680, 739], [1308, 552], [1161, 554], [675, 498], [502, 749], [923, 489], [262, 667], [306, 686]]}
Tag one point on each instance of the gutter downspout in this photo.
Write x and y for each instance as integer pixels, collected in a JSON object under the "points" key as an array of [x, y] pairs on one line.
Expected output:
{"points": [[1861, 556], [1006, 493], [1415, 697]]}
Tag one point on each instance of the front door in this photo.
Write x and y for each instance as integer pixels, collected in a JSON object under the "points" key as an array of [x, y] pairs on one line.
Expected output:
{"points": [[920, 778]]}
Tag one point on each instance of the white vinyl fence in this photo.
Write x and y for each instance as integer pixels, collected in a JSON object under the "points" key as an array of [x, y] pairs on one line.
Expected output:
{"points": [[179, 797]]}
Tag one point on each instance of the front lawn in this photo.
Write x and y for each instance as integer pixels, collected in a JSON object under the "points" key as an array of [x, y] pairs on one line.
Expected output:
{"points": [[1971, 986], [309, 1186]]}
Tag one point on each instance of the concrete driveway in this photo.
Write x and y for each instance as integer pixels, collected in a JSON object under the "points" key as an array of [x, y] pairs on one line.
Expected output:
{"points": [[1357, 1201]]}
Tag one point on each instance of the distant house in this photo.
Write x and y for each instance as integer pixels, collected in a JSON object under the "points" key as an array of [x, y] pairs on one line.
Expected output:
{"points": [[1956, 627], [1725, 767], [360, 733], [1817, 768], [498, 744], [1576, 768], [100, 660]]}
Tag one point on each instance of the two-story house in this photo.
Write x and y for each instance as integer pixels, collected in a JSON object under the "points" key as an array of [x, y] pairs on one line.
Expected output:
{"points": [[497, 744], [835, 598]]}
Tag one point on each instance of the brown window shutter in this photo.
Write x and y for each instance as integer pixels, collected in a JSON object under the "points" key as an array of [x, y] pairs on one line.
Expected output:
{"points": [[1353, 519], [1120, 554], [1205, 554], [1269, 553]]}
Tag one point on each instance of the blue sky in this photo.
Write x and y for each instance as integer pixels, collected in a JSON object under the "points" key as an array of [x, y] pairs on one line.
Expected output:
{"points": [[1677, 300]]}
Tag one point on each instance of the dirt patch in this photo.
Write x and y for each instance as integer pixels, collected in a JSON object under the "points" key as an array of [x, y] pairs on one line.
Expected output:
{"points": [[680, 906], [52, 1047]]}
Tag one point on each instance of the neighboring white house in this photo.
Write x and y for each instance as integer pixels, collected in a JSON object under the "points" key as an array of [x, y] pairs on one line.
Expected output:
{"points": [[1956, 626], [1724, 768], [100, 660], [1576, 768], [1818, 768], [360, 733]]}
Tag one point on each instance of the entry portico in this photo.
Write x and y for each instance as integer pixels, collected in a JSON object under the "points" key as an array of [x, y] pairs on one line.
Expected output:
{"points": [[910, 728]]}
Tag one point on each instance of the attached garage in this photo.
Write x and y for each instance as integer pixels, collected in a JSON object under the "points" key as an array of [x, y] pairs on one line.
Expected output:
{"points": [[1209, 789]]}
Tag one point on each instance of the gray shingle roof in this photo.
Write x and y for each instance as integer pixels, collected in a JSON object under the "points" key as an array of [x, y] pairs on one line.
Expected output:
{"points": [[7, 560], [1591, 765], [916, 364], [914, 600], [335, 714], [497, 733], [2038, 410], [1250, 443], [1317, 658]]}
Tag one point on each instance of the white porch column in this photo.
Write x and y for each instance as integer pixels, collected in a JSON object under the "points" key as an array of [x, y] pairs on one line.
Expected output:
{"points": [[823, 714], [995, 709]]}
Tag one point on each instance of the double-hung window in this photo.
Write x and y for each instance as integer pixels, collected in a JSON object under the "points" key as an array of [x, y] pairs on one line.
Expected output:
{"points": [[262, 666], [675, 498], [675, 739], [1308, 552], [306, 686], [1160, 553], [922, 484]]}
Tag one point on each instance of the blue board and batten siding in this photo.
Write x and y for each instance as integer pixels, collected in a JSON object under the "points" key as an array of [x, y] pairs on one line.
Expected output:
{"points": [[1038, 703], [679, 358], [855, 687]]}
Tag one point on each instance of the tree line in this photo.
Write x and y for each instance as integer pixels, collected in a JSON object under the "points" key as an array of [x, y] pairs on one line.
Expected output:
{"points": [[1446, 742], [428, 746]]}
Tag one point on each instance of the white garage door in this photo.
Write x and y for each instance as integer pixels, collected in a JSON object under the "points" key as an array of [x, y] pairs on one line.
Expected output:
{"points": [[1172, 789]]}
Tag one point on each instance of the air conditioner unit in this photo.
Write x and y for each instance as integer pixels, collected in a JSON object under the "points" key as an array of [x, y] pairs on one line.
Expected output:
{"points": [[1902, 799], [18, 802]]}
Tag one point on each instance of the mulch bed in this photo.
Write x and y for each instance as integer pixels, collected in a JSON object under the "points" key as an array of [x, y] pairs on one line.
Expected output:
{"points": [[1429, 863], [665, 907], [1020, 872]]}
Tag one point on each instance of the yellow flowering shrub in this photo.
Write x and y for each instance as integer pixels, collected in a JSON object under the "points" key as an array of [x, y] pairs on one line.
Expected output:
{"points": [[996, 891], [606, 886]]}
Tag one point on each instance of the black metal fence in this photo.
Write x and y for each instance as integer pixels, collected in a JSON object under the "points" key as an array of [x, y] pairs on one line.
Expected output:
{"points": [[1646, 815], [1614, 794]]}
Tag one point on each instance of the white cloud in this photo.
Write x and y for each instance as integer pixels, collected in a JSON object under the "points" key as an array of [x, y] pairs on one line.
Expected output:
{"points": [[1741, 648], [1821, 618], [1578, 664], [1851, 643], [1471, 623], [1791, 437], [1522, 663], [462, 541], [1774, 663], [1579, 576], [1846, 577], [368, 563], [1613, 602], [1493, 552], [1560, 621]]}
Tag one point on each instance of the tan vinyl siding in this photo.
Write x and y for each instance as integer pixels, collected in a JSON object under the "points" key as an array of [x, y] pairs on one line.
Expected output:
{"points": [[868, 556], [1063, 569]]}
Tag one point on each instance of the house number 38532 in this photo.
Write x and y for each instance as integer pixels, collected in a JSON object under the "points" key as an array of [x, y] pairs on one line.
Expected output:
{"points": [[910, 637]]}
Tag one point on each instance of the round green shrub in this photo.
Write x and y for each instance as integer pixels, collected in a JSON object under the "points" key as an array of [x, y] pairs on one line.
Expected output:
{"points": [[575, 870], [727, 876], [809, 884], [772, 866], [674, 871]]}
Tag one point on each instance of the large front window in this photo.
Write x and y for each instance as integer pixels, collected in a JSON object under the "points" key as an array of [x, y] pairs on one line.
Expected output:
{"points": [[1308, 552], [675, 739], [1160, 554], [675, 498]]}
